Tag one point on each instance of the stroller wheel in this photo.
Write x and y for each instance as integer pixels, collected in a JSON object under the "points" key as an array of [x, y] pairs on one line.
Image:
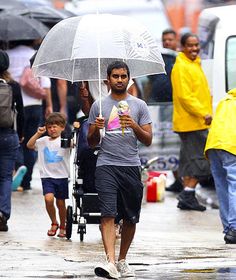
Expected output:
{"points": [[81, 236], [69, 222], [82, 228]]}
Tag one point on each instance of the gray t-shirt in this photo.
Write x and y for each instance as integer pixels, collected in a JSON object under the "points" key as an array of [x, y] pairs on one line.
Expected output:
{"points": [[117, 148]]}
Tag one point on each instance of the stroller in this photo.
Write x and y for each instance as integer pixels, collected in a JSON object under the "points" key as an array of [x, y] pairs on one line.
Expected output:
{"points": [[85, 208]]}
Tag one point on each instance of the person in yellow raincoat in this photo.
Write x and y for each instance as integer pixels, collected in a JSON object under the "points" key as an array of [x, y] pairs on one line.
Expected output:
{"points": [[192, 115], [221, 152]]}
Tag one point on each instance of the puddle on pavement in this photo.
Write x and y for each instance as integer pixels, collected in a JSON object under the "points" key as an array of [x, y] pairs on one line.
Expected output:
{"points": [[223, 270], [69, 276]]}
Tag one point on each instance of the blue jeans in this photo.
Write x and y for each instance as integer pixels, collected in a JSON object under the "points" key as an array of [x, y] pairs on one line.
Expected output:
{"points": [[223, 167], [8, 151], [33, 118]]}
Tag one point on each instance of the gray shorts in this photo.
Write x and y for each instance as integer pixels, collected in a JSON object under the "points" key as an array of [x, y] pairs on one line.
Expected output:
{"points": [[120, 192], [192, 161]]}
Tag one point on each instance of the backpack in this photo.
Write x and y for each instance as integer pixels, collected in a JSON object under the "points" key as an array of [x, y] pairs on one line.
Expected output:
{"points": [[7, 112], [31, 85]]}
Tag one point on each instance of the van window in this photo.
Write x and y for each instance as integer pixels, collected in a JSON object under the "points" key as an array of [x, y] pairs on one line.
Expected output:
{"points": [[230, 63], [206, 33]]}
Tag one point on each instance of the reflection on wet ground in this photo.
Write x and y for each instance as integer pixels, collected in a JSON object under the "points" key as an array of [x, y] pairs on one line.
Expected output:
{"points": [[169, 244]]}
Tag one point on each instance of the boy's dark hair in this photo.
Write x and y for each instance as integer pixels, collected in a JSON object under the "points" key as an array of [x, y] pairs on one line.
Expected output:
{"points": [[56, 118], [185, 37], [169, 31], [117, 65]]}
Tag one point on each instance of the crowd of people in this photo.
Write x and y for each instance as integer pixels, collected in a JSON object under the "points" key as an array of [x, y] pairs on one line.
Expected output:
{"points": [[36, 134]]}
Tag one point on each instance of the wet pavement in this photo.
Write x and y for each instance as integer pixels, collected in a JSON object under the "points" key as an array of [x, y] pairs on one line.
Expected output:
{"points": [[169, 243]]}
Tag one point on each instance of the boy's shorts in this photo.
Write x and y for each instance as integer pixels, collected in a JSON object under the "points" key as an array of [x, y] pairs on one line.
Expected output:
{"points": [[59, 187], [120, 192]]}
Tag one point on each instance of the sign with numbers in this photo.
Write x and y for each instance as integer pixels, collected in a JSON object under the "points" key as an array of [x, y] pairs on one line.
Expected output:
{"points": [[165, 143]]}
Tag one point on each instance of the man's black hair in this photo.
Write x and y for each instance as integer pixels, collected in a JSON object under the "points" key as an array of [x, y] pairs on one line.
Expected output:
{"points": [[185, 37], [169, 31], [117, 65]]}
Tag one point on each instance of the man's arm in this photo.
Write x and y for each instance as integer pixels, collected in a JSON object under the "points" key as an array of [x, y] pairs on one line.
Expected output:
{"points": [[48, 101], [62, 95], [94, 132], [143, 132]]}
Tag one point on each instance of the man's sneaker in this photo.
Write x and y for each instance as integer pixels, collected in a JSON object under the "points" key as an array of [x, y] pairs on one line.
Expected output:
{"points": [[18, 177], [107, 270], [3, 222], [230, 237], [188, 201], [124, 269]]}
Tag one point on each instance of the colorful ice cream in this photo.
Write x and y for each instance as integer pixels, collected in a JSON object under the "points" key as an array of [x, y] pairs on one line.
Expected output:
{"points": [[123, 109]]}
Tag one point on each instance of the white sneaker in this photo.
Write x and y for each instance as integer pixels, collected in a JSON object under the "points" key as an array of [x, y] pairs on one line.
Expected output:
{"points": [[124, 269], [107, 270]]}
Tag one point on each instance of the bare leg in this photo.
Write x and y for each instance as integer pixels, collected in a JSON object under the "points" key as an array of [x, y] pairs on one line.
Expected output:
{"points": [[190, 182], [127, 235], [109, 237], [49, 202], [61, 205]]}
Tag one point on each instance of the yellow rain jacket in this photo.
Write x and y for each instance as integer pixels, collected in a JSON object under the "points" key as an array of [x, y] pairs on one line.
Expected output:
{"points": [[222, 134], [191, 95]]}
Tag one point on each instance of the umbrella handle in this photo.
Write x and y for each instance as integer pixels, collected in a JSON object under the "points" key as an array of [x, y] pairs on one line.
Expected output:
{"points": [[102, 131]]}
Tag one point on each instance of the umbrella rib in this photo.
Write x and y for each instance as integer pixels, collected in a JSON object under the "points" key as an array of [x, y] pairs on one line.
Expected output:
{"points": [[73, 72]]}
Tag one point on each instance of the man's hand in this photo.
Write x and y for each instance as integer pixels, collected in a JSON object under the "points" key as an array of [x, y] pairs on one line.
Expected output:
{"points": [[100, 122], [126, 121], [208, 119]]}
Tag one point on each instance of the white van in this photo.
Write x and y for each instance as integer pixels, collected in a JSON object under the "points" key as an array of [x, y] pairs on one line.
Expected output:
{"points": [[217, 34]]}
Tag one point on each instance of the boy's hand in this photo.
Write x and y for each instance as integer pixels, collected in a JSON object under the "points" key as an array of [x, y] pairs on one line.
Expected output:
{"points": [[41, 130]]}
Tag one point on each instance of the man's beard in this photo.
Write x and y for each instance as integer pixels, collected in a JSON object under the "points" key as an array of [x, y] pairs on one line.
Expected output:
{"points": [[118, 90]]}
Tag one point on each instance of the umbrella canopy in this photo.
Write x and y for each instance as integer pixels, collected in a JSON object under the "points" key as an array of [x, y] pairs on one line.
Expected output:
{"points": [[14, 27], [47, 15], [80, 48]]}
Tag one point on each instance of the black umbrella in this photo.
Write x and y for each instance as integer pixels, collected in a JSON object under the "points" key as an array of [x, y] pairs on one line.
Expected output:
{"points": [[14, 28], [48, 15]]}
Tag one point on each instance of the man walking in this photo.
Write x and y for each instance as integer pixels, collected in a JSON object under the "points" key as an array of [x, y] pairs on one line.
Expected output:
{"points": [[192, 116], [117, 177]]}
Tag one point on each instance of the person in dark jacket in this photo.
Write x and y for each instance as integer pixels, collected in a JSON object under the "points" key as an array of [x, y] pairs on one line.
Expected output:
{"points": [[9, 139]]}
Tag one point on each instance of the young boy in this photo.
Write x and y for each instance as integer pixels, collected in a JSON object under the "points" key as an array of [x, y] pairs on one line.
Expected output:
{"points": [[54, 169]]}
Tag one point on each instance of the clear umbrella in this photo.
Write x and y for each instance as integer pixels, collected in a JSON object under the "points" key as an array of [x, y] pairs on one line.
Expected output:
{"points": [[81, 48]]}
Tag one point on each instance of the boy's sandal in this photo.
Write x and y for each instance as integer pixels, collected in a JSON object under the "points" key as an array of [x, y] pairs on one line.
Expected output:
{"points": [[53, 230], [62, 232]]}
